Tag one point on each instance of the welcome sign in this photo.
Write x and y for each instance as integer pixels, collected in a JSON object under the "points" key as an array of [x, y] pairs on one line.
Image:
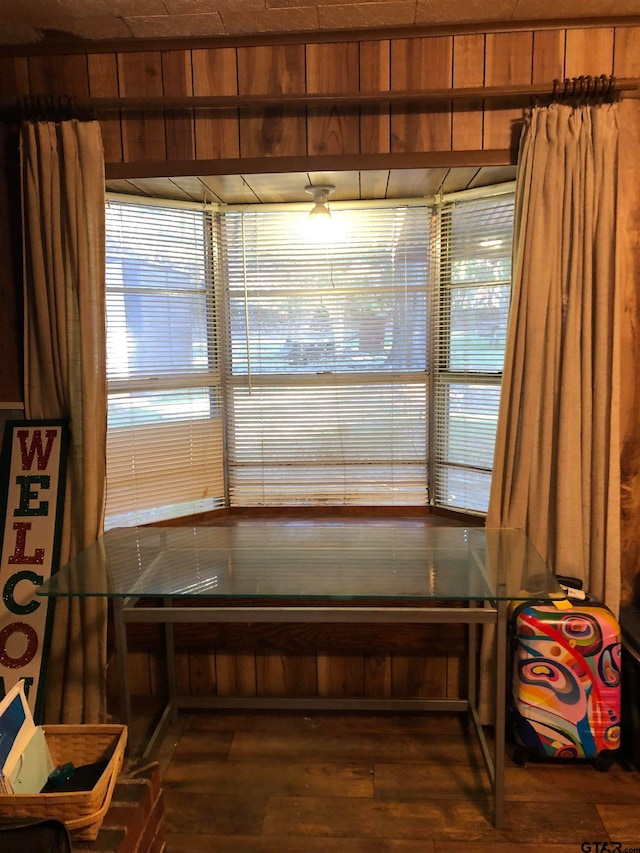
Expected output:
{"points": [[32, 480]]}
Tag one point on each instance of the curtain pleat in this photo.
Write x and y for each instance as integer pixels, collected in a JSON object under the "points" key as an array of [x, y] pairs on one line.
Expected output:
{"points": [[65, 376]]}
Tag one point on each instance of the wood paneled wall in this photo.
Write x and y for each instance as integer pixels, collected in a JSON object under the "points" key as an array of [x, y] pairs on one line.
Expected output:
{"points": [[481, 59], [11, 267], [628, 274], [149, 142], [303, 660]]}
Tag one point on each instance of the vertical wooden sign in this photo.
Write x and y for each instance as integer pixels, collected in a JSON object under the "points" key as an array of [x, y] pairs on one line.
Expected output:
{"points": [[32, 481]]}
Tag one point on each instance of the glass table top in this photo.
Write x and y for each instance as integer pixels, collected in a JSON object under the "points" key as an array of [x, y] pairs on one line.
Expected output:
{"points": [[324, 560]]}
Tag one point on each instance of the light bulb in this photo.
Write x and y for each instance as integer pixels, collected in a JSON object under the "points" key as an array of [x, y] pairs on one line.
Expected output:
{"points": [[320, 210]]}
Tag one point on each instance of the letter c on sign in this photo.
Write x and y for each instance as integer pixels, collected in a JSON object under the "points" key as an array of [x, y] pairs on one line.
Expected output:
{"points": [[30, 651], [9, 589]]}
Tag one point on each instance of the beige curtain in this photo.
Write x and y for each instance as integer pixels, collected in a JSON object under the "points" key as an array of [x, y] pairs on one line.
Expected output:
{"points": [[62, 167], [557, 464], [557, 461]]}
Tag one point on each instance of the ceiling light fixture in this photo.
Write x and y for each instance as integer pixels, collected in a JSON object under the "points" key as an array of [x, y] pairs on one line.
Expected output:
{"points": [[321, 197]]}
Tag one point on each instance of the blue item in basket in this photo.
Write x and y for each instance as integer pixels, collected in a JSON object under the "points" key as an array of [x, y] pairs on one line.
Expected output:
{"points": [[62, 773], [82, 778]]}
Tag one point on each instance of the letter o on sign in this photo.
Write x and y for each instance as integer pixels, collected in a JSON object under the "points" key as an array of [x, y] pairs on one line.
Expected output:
{"points": [[30, 651]]}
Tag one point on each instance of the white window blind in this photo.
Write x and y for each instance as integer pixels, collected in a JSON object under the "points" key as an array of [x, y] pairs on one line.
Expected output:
{"points": [[358, 367], [472, 248], [328, 385], [164, 437]]}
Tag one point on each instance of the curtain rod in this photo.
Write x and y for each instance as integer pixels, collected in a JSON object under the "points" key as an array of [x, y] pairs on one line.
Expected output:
{"points": [[373, 99], [577, 87]]}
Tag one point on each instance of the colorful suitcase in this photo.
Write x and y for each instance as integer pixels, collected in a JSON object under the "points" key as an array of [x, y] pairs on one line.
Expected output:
{"points": [[566, 698]]}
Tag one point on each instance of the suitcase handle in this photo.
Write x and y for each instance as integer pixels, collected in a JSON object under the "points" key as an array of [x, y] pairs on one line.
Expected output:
{"points": [[566, 580]]}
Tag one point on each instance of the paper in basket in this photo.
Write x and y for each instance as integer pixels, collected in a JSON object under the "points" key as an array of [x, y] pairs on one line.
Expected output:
{"points": [[25, 760]]}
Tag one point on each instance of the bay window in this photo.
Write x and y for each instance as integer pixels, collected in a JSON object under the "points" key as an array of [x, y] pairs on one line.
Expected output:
{"points": [[255, 362]]}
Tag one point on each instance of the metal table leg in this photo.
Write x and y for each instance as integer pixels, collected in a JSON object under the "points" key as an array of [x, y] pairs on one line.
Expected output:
{"points": [[122, 660], [500, 719], [171, 665], [170, 712]]}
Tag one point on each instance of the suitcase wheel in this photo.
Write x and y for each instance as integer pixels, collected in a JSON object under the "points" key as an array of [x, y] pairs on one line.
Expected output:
{"points": [[604, 760], [520, 755]]}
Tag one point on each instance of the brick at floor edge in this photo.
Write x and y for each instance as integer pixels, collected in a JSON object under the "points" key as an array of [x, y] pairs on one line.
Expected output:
{"points": [[135, 814]]}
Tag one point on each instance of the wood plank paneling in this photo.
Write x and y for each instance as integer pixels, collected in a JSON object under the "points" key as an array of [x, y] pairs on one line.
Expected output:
{"points": [[286, 675], [103, 83], [157, 675], [349, 67], [293, 637], [377, 676], [11, 340], [14, 76], [419, 676], [589, 52], [315, 660], [273, 675], [626, 61], [374, 183], [59, 75], [289, 186], [332, 68], [183, 675], [468, 71], [421, 63], [412, 182], [215, 73], [272, 70], [346, 183], [202, 674], [548, 56], [143, 132], [456, 677], [509, 61], [454, 178], [628, 274], [340, 675], [164, 188], [140, 680], [177, 81], [220, 185], [236, 674], [493, 175], [375, 76]]}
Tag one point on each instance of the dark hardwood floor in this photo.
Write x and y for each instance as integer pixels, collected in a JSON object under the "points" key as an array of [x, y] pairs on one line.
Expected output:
{"points": [[327, 782]]}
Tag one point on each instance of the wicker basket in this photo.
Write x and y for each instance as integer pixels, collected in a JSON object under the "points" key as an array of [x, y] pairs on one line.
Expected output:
{"points": [[81, 811]]}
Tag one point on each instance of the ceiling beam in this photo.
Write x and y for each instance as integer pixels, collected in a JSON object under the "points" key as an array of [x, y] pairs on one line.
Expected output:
{"points": [[311, 163]]}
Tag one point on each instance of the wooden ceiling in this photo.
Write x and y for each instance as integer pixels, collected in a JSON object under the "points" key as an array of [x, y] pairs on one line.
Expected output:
{"points": [[290, 187]]}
